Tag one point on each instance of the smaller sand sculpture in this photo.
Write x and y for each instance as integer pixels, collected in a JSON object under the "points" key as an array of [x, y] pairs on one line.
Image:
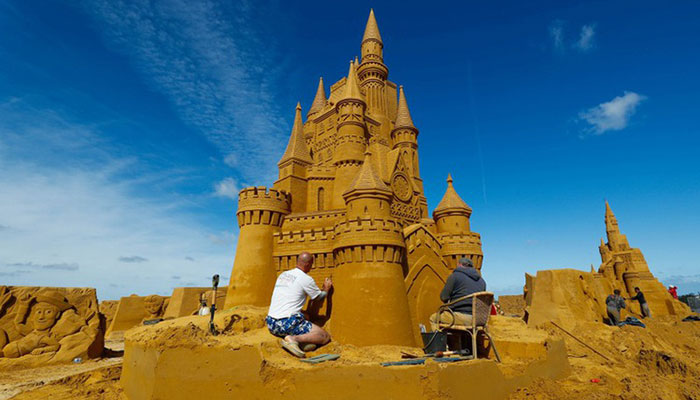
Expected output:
{"points": [[155, 306], [134, 311], [41, 325], [568, 295]]}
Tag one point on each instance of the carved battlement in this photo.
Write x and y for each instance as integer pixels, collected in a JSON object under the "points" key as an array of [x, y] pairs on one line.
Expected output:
{"points": [[262, 206], [262, 198], [468, 243], [368, 231], [304, 236]]}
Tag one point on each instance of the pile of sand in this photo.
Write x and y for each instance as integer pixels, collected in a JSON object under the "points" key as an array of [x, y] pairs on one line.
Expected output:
{"points": [[656, 362]]}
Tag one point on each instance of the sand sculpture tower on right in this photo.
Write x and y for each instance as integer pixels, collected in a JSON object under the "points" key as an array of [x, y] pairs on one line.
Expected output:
{"points": [[626, 268]]}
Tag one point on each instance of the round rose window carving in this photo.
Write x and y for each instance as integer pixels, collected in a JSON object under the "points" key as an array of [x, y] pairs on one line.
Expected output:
{"points": [[401, 187]]}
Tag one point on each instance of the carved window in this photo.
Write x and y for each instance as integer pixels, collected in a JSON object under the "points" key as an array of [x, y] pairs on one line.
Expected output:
{"points": [[320, 198]]}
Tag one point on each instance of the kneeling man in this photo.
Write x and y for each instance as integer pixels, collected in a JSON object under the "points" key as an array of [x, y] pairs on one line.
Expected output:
{"points": [[284, 319]]}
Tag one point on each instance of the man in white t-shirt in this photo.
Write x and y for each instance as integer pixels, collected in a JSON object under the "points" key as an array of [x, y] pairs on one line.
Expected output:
{"points": [[284, 319]]}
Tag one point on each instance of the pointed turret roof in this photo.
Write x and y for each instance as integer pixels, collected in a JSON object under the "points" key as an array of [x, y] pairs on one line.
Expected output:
{"points": [[403, 115], [371, 29], [367, 179], [319, 100], [296, 148], [451, 200], [610, 220], [352, 88], [608, 210]]}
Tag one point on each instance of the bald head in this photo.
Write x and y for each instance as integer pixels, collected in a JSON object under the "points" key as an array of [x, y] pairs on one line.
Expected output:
{"points": [[305, 261]]}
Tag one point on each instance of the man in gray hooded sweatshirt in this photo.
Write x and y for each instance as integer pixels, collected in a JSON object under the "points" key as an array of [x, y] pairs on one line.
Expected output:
{"points": [[463, 281]]}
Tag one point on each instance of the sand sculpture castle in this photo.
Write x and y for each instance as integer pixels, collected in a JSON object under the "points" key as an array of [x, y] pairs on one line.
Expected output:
{"points": [[626, 268], [350, 192], [568, 295]]}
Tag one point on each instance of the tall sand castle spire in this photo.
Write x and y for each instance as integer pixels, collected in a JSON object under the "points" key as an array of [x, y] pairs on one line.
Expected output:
{"points": [[319, 100], [296, 148]]}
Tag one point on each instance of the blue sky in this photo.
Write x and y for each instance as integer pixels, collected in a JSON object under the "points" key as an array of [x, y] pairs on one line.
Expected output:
{"points": [[127, 128]]}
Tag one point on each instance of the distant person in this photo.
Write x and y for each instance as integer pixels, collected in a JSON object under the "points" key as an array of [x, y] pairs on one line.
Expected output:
{"points": [[674, 291], [284, 319], [615, 303], [203, 309], [463, 281], [639, 296]]}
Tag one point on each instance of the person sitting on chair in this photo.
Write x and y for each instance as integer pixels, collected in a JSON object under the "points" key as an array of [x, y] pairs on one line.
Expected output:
{"points": [[463, 281]]}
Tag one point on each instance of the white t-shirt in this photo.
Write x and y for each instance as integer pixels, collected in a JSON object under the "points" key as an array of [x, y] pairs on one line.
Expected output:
{"points": [[290, 293], [204, 311]]}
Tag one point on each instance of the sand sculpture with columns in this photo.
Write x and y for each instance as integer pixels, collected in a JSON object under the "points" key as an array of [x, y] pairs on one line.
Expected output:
{"points": [[350, 192]]}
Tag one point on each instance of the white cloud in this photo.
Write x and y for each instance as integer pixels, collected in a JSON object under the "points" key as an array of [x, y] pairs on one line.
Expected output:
{"points": [[612, 115], [227, 188], [73, 218], [586, 38], [556, 33], [210, 61], [132, 259]]}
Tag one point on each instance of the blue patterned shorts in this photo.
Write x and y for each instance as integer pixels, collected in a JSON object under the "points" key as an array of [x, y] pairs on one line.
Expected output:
{"points": [[293, 325]]}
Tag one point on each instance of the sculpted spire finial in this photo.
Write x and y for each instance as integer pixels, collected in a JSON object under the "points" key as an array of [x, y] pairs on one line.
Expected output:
{"points": [[367, 178], [352, 88], [372, 29], [451, 200], [403, 115], [296, 148], [319, 100]]}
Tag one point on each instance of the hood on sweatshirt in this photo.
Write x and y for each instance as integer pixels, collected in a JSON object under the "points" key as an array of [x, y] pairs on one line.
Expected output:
{"points": [[470, 272]]}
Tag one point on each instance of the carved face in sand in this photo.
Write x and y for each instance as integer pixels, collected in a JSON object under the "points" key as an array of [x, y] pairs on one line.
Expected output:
{"points": [[44, 316], [153, 304]]}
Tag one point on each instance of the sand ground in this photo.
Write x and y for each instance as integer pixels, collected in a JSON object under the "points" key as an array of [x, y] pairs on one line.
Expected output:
{"points": [[658, 362]]}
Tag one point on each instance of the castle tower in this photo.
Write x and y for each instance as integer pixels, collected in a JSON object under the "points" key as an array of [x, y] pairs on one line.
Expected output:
{"points": [[404, 137], [372, 72], [625, 268], [452, 222], [351, 142], [260, 213], [452, 213], [320, 100], [370, 304], [293, 165]]}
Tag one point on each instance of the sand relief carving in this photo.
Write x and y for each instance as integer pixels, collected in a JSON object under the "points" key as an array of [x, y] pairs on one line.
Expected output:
{"points": [[44, 324], [155, 307]]}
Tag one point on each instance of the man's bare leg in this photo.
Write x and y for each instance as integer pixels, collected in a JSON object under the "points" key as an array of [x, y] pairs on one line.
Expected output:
{"points": [[315, 336]]}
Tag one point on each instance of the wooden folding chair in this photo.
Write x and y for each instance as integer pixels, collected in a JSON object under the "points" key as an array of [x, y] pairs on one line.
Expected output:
{"points": [[481, 310]]}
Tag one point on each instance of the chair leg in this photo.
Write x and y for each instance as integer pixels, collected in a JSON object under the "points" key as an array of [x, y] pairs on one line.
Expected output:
{"points": [[492, 344], [475, 351]]}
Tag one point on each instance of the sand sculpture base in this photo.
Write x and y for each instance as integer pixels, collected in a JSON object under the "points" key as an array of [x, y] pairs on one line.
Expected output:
{"points": [[179, 359]]}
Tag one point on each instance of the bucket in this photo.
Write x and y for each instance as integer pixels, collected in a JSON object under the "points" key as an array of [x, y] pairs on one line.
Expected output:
{"points": [[434, 342]]}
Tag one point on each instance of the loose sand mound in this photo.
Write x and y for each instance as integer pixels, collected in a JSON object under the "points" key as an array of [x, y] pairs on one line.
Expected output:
{"points": [[99, 384], [656, 362]]}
